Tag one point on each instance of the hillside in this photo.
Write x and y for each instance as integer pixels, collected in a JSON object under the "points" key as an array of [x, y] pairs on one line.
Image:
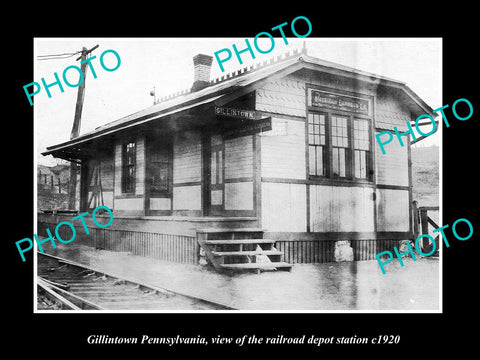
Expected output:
{"points": [[49, 194], [425, 175]]}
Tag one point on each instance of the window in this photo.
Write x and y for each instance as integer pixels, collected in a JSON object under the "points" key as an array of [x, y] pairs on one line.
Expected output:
{"points": [[361, 146], [339, 146], [160, 169], [317, 144], [216, 162], [128, 167]]}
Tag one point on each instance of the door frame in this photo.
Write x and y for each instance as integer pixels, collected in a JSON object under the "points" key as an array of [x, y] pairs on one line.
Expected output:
{"points": [[219, 184]]}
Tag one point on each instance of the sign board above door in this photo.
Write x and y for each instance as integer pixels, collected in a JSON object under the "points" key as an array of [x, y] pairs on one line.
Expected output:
{"points": [[328, 100], [249, 128]]}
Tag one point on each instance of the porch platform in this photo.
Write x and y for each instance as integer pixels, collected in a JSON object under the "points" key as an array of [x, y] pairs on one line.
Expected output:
{"points": [[356, 285], [177, 225]]}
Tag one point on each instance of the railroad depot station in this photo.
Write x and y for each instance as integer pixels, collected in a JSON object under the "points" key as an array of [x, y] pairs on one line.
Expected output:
{"points": [[266, 167]]}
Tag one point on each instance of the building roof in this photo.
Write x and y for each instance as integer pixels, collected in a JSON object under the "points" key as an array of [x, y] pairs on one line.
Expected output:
{"points": [[229, 87]]}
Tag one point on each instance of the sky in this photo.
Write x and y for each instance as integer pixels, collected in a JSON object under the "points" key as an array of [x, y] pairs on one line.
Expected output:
{"points": [[166, 64]]}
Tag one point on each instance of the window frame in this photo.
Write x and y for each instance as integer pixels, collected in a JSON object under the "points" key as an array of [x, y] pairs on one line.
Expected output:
{"points": [[369, 158], [125, 166], [326, 146], [165, 145], [350, 150]]}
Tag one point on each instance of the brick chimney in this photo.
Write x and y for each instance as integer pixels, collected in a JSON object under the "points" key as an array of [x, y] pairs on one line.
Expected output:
{"points": [[201, 65]]}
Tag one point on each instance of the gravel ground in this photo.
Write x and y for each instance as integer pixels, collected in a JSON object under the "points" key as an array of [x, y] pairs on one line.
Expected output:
{"points": [[357, 285]]}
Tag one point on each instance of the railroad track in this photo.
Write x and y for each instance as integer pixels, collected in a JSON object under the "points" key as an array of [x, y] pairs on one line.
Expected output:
{"points": [[65, 285]]}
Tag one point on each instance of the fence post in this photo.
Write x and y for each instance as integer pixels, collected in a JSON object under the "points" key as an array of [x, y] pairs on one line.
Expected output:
{"points": [[424, 222], [415, 220]]}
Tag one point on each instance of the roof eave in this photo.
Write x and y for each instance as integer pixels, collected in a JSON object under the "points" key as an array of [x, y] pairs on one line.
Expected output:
{"points": [[222, 93]]}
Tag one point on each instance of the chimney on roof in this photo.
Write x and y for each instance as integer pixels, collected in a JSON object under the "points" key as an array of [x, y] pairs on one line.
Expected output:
{"points": [[202, 65]]}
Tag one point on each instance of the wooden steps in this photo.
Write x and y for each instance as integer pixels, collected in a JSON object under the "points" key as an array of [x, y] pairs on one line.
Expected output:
{"points": [[234, 250], [239, 241], [257, 265], [244, 253]]}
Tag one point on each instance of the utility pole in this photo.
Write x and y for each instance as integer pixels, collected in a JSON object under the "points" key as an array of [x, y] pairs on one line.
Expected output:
{"points": [[76, 125]]}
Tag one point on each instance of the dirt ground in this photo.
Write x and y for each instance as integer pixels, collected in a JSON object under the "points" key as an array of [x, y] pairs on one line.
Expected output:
{"points": [[357, 285]]}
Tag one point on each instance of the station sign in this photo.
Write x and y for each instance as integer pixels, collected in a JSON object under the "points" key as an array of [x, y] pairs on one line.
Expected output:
{"points": [[240, 114], [249, 128], [328, 100]]}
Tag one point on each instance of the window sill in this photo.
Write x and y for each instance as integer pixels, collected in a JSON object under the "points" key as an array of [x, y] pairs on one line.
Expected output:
{"points": [[128, 196], [336, 181]]}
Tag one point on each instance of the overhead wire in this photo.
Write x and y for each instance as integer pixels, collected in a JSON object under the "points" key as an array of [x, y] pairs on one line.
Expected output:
{"points": [[57, 56]]}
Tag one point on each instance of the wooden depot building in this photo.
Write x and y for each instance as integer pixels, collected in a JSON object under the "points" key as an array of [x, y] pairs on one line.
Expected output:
{"points": [[268, 166]]}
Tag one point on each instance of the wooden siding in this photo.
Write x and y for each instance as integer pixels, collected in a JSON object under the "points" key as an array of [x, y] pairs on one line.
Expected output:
{"points": [[392, 167], [392, 210], [169, 247], [128, 204], [333, 82], [216, 197], [160, 203], [140, 167], [239, 196], [283, 207], [322, 251], [107, 199], [187, 197], [282, 96], [107, 167], [187, 157], [338, 208], [183, 248], [118, 170], [176, 248], [239, 157], [283, 156], [389, 112]]}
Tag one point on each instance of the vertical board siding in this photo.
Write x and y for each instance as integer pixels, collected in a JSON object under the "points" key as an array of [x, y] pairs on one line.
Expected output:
{"points": [[187, 197], [175, 248], [239, 157], [283, 156], [129, 204], [239, 196], [107, 168], [187, 157], [107, 199], [283, 207], [169, 247], [322, 251], [160, 203], [185, 249], [392, 167], [140, 167], [338, 208], [393, 210], [118, 170]]}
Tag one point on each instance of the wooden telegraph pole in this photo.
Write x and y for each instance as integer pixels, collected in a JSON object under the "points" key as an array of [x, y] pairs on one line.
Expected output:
{"points": [[76, 125]]}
